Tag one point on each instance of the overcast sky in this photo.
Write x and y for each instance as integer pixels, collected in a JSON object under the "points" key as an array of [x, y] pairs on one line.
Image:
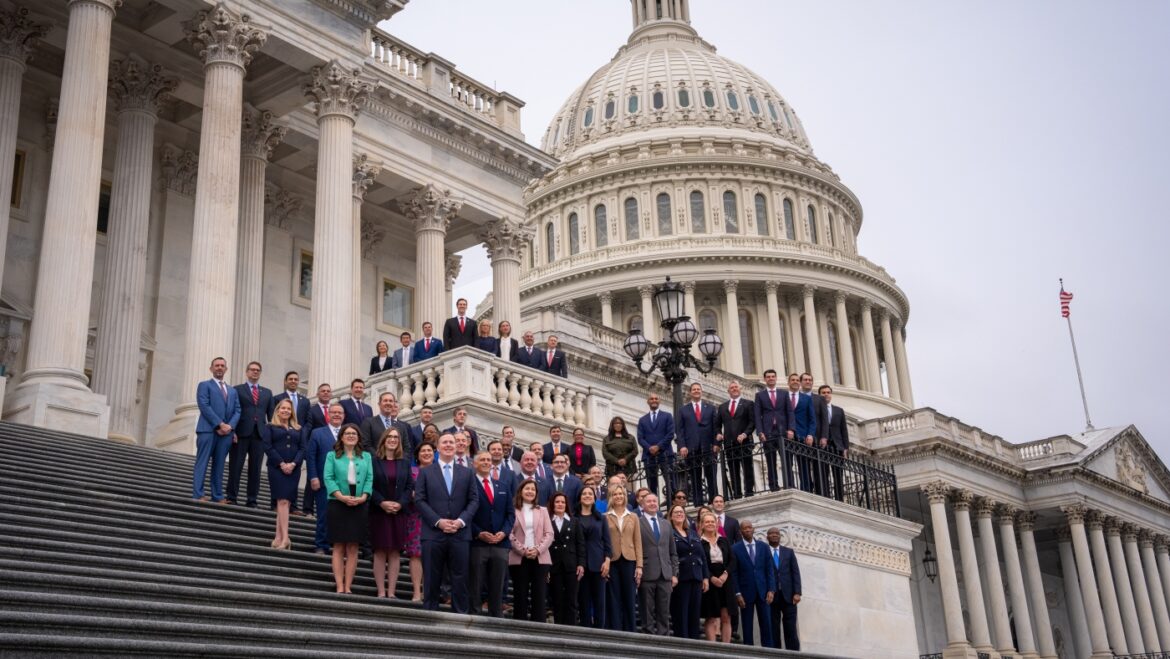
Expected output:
{"points": [[995, 146]]}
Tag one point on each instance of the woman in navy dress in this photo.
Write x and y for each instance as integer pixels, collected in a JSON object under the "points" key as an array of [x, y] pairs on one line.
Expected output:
{"points": [[285, 449], [485, 341], [720, 596], [392, 495], [693, 576], [591, 591]]}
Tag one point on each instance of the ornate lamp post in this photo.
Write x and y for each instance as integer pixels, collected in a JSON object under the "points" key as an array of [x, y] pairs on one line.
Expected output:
{"points": [[673, 355]]}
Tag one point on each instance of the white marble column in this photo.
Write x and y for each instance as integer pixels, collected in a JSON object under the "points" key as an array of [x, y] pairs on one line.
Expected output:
{"points": [[1001, 625], [1025, 638], [1078, 624], [259, 136], [1105, 584], [1034, 583], [450, 274], [338, 95], [689, 301], [812, 335], [1154, 586], [1098, 628], [364, 173], [53, 391], [774, 333], [505, 239], [606, 300], [1125, 593], [961, 501], [650, 329], [892, 381], [732, 339], [1162, 551], [826, 358], [1141, 596], [903, 365], [137, 89], [796, 334], [869, 342], [431, 209], [845, 343], [936, 493], [18, 37]]}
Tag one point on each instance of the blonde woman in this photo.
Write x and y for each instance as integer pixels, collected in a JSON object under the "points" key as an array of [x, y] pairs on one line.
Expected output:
{"points": [[625, 566], [720, 596], [349, 479], [284, 446], [485, 341]]}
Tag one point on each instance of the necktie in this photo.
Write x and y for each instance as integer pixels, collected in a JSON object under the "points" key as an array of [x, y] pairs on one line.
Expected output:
{"points": [[427, 345], [560, 485], [772, 394], [733, 407], [223, 390], [487, 490], [556, 448], [447, 477], [461, 326], [255, 395], [698, 413], [751, 547], [293, 397], [325, 412], [405, 357], [495, 473], [654, 527], [357, 406], [550, 356], [776, 558], [653, 418], [793, 396]]}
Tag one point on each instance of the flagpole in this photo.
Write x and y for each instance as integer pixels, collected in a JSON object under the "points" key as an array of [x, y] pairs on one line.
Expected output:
{"points": [[1077, 361]]}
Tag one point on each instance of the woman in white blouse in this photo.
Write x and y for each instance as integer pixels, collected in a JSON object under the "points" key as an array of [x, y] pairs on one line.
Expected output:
{"points": [[381, 361], [508, 345], [529, 560]]}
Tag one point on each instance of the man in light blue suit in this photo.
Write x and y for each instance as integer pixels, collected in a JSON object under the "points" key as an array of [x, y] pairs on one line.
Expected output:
{"points": [[219, 412], [403, 356]]}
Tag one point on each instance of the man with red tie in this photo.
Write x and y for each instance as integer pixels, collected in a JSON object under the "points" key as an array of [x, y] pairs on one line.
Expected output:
{"points": [[553, 359], [773, 423], [697, 447], [460, 330], [427, 346], [490, 528], [735, 426], [247, 445]]}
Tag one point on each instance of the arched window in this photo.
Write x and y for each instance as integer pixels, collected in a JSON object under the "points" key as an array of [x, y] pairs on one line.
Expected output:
{"points": [[631, 218], [747, 341], [632, 106], [834, 353], [610, 109], [634, 323], [762, 220], [698, 213], [665, 226], [812, 224], [600, 226], [789, 221], [659, 100], [829, 235], [708, 98], [788, 119], [732, 100], [730, 213], [708, 320], [772, 111], [550, 245], [753, 104], [684, 98], [574, 234], [588, 121]]}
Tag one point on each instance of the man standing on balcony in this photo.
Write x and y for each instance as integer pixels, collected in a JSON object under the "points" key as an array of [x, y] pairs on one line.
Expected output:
{"points": [[447, 499], [655, 434], [219, 412], [773, 424], [803, 429], [696, 444], [553, 360], [427, 346], [735, 427], [460, 330], [833, 435], [529, 355], [403, 356]]}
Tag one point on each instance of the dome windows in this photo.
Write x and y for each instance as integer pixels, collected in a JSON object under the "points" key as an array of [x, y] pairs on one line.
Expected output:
{"points": [[600, 226], [631, 207], [708, 98], [698, 213], [684, 98], [761, 214], [730, 212], [632, 104], [772, 110], [812, 224], [789, 220], [753, 104], [732, 101], [610, 109], [574, 235], [658, 100], [664, 222], [550, 245], [588, 119]]}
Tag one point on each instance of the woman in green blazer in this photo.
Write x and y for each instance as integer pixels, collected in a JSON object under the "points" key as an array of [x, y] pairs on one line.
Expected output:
{"points": [[349, 480], [620, 449]]}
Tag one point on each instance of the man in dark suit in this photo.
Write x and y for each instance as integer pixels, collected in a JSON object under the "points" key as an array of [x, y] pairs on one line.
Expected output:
{"points": [[806, 387], [460, 419], [833, 436], [460, 330], [247, 444], [490, 528], [787, 593], [425, 415], [803, 429], [773, 420], [528, 354], [553, 359], [428, 346], [568, 567], [219, 412], [447, 498], [696, 443], [528, 465], [501, 469], [317, 450], [318, 417], [300, 403], [511, 452], [655, 434], [659, 568], [356, 410], [725, 525], [563, 481], [735, 426], [756, 577], [554, 446], [372, 428]]}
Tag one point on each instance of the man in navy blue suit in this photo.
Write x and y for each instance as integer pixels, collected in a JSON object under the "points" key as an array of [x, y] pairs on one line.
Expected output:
{"points": [[460, 419], [803, 429], [696, 443], [735, 423], [317, 417], [459, 331], [425, 415], [528, 354], [773, 423], [427, 346], [490, 529], [655, 435], [300, 403], [247, 444], [756, 577], [321, 442], [447, 499], [553, 359], [528, 472], [787, 593], [219, 412], [356, 410], [554, 446], [563, 481]]}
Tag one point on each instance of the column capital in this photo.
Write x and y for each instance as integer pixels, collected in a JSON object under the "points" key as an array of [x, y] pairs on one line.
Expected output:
{"points": [[1129, 532], [364, 172], [771, 286], [1026, 520], [1112, 526], [1146, 538], [1161, 544], [605, 297], [178, 169], [372, 236], [840, 297], [866, 305], [985, 508], [808, 290], [936, 491], [260, 134], [280, 205], [1063, 534], [452, 264], [1075, 513], [689, 286], [221, 37], [884, 315], [962, 499], [1094, 519], [19, 35], [730, 286], [431, 208], [505, 238], [336, 91], [138, 85], [1007, 514], [646, 290]]}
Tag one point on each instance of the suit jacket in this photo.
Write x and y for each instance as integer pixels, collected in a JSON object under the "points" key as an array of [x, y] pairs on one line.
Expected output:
{"points": [[403, 483], [804, 418], [421, 352], [544, 488], [559, 366], [730, 426], [301, 409], [253, 416], [513, 343], [772, 420], [542, 533], [453, 337], [316, 418], [213, 409], [375, 368], [627, 540], [698, 436], [336, 473], [756, 578], [351, 412], [597, 544], [317, 449], [434, 503], [588, 458], [396, 361], [521, 356], [730, 527], [572, 488], [835, 428], [692, 558], [488, 344], [568, 546], [659, 557], [282, 445], [660, 434], [548, 455], [495, 517], [787, 575], [372, 428], [473, 448]]}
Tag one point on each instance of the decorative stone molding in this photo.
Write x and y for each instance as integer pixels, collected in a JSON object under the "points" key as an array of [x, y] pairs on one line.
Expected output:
{"points": [[1007, 514], [730, 286], [138, 85], [220, 37], [808, 290], [1129, 532], [1146, 538], [179, 168], [52, 105], [335, 90], [1161, 543], [1075, 513], [431, 208], [1063, 534], [985, 508], [646, 290], [1094, 519], [962, 499], [453, 264], [18, 35], [260, 134], [12, 342], [689, 287], [1112, 526], [371, 237], [605, 297], [771, 286], [1129, 469], [280, 206], [936, 491], [505, 238], [840, 297], [1026, 520], [821, 543], [364, 173]]}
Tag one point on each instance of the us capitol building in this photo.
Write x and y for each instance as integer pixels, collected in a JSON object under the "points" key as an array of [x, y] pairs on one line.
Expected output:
{"points": [[288, 182]]}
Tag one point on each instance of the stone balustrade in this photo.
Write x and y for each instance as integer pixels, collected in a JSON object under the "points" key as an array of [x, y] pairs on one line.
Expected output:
{"points": [[398, 56]]}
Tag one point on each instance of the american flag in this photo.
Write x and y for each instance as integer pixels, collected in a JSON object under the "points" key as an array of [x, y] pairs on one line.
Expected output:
{"points": [[1065, 299]]}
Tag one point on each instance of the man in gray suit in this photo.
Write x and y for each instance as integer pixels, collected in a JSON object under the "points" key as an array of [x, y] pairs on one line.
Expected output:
{"points": [[659, 568]]}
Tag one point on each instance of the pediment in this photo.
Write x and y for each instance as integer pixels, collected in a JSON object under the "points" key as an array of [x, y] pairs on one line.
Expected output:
{"points": [[1127, 458]]}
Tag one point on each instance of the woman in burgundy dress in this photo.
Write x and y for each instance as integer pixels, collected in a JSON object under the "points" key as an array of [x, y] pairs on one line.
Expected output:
{"points": [[392, 495]]}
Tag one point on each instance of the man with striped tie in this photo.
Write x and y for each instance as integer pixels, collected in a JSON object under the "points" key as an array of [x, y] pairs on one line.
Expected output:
{"points": [[247, 445]]}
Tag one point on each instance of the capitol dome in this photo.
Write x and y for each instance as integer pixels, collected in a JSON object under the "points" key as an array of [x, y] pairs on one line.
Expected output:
{"points": [[676, 161]]}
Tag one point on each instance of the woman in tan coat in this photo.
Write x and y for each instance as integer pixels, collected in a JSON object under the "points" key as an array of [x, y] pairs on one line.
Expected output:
{"points": [[625, 566]]}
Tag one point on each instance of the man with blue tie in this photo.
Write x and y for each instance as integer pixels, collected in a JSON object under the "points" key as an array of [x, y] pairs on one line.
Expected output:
{"points": [[247, 445], [756, 576], [696, 444], [219, 412], [490, 528], [447, 499], [321, 442], [300, 404], [773, 423], [356, 410], [803, 429], [787, 593], [655, 435], [428, 346], [403, 356]]}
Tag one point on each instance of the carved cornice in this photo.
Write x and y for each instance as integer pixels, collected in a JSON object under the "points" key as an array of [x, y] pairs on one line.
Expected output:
{"points": [[646, 291], [364, 173], [936, 491], [505, 239], [689, 286], [1095, 520], [771, 286], [431, 208], [336, 91], [807, 291], [18, 35], [840, 297], [138, 85], [260, 134], [1129, 532], [605, 297], [1007, 514], [730, 286], [843, 549], [1112, 526], [179, 169], [220, 37], [1161, 544], [1146, 538]]}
